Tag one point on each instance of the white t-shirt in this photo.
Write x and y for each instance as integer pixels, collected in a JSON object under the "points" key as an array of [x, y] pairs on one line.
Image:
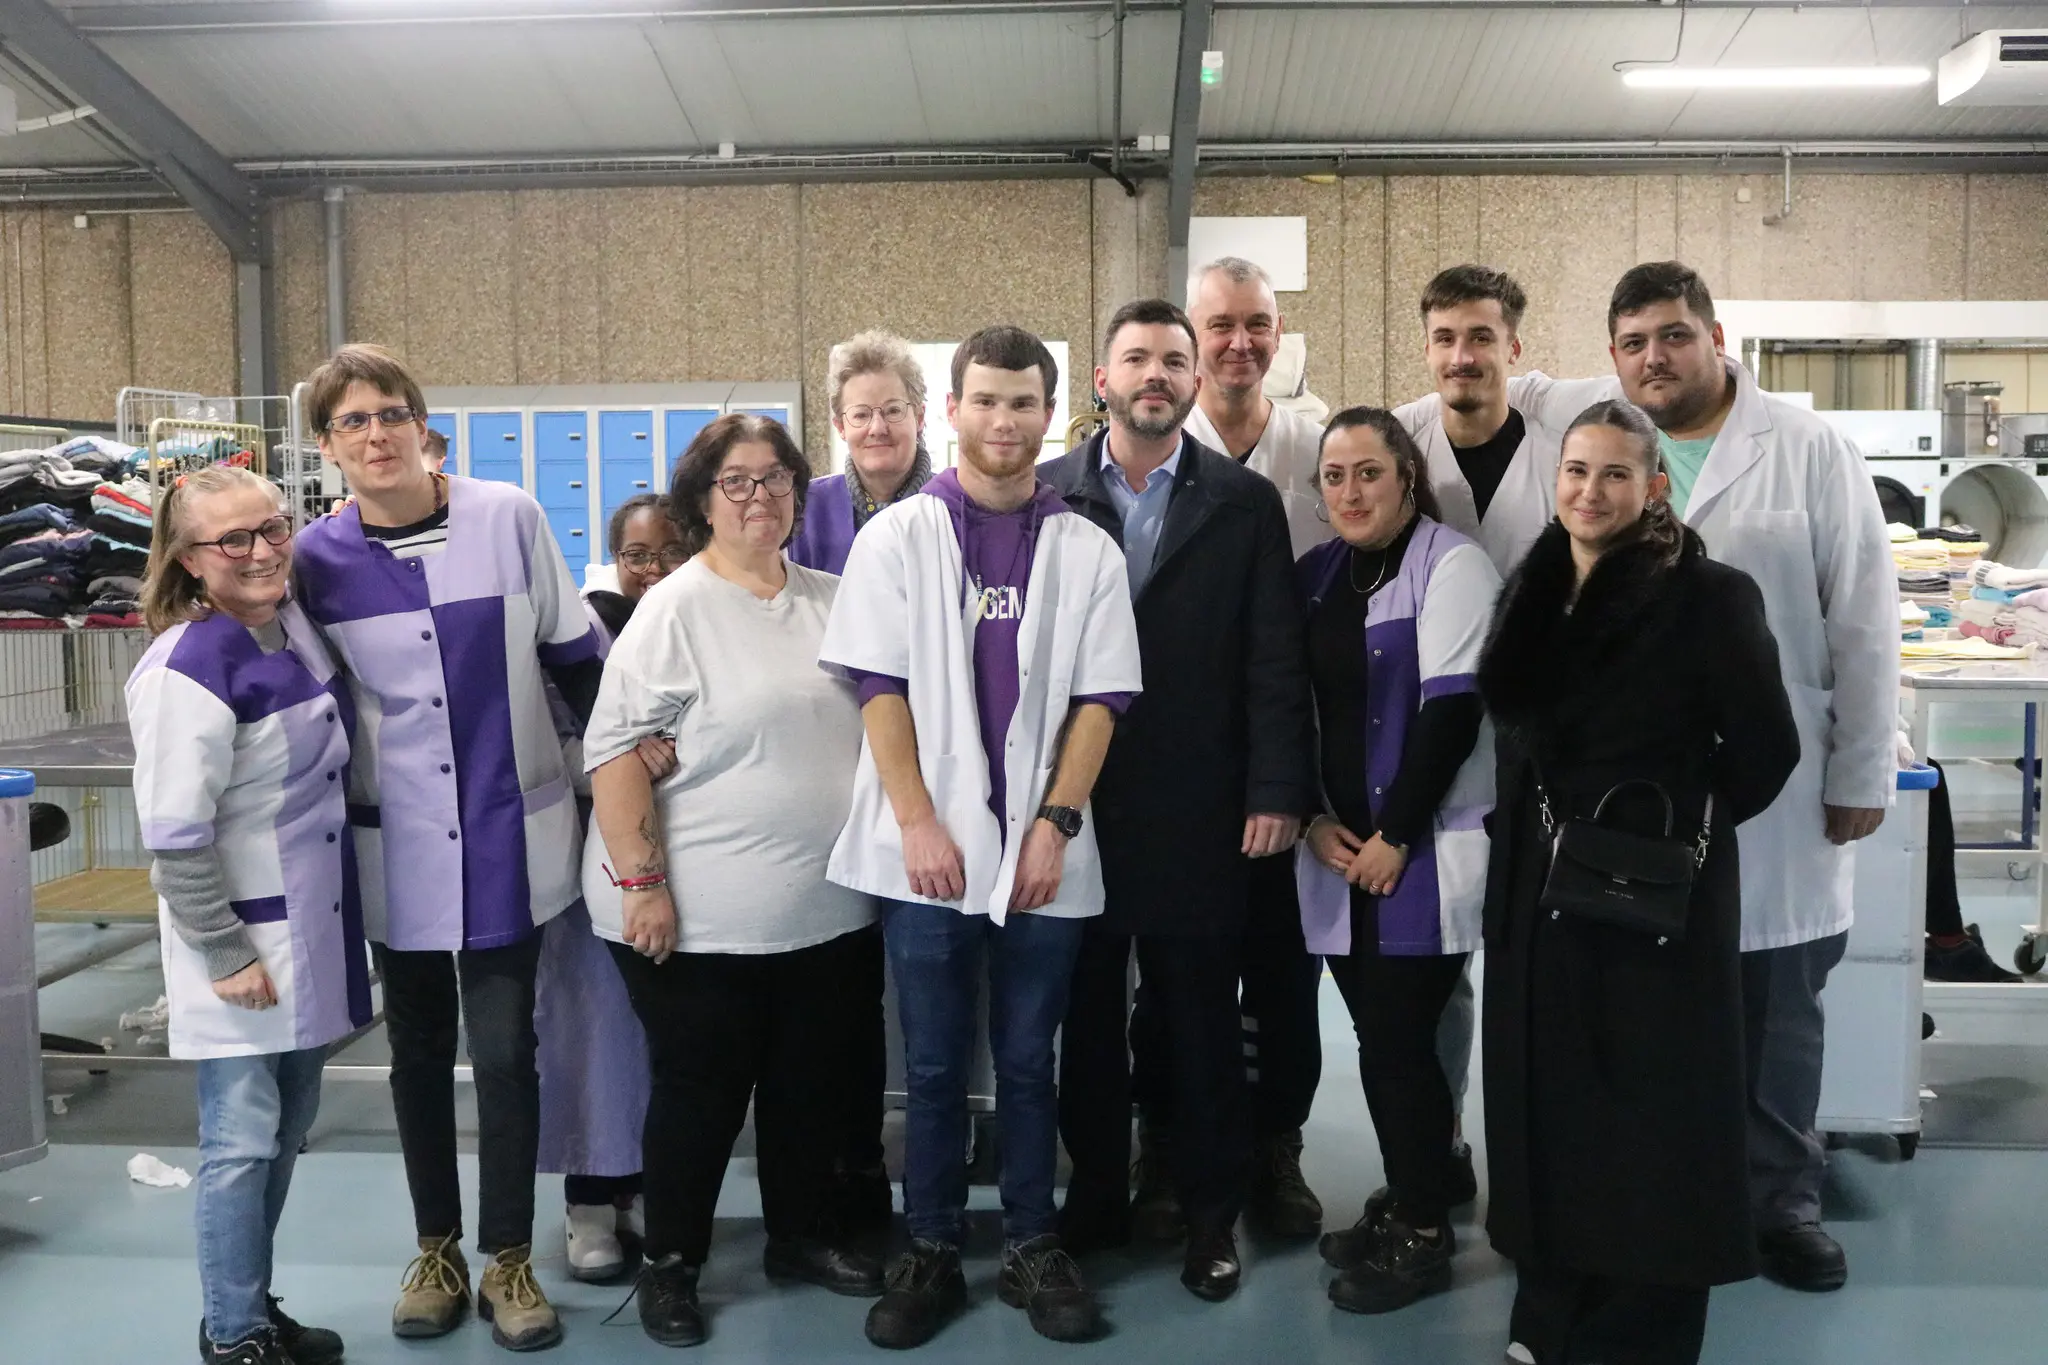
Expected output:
{"points": [[766, 744], [1286, 455]]}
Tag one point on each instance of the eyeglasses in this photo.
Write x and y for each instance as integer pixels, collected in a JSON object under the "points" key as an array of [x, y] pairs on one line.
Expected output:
{"points": [[895, 414], [672, 558], [355, 423], [242, 544], [740, 487]]}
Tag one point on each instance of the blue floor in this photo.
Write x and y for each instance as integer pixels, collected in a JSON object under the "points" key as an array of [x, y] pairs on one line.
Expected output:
{"points": [[1948, 1253]]}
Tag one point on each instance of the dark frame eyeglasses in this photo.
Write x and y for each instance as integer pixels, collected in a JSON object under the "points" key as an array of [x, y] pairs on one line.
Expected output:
{"points": [[356, 423], [740, 487], [672, 557], [241, 543]]}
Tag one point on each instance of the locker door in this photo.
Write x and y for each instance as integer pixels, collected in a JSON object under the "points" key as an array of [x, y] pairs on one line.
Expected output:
{"points": [[496, 450], [625, 451], [680, 427], [445, 423], [561, 480]]}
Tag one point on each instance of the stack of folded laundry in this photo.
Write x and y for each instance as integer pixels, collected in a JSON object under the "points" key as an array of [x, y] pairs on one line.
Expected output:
{"points": [[2019, 597], [74, 536]]}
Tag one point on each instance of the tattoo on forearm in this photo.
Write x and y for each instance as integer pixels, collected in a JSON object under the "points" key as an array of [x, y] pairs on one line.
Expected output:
{"points": [[652, 865]]}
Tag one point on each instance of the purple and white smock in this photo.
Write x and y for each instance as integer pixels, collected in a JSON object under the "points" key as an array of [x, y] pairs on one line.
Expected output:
{"points": [[1424, 633], [247, 753], [466, 825]]}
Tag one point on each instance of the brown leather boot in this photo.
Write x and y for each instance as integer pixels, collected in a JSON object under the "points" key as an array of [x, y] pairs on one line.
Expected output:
{"points": [[510, 1299], [436, 1290]]}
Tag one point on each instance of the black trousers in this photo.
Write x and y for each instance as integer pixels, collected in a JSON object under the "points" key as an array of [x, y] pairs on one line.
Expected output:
{"points": [[862, 1147], [1397, 1004], [1283, 1028], [778, 1029], [1944, 906], [1566, 1318], [490, 990], [1193, 983], [599, 1190]]}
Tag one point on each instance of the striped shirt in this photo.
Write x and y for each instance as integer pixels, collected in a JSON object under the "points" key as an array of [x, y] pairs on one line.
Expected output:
{"points": [[416, 541]]}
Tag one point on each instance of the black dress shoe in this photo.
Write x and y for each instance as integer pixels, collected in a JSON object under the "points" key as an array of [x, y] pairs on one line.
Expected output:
{"points": [[810, 1261], [669, 1312], [1353, 1245], [1803, 1257], [1464, 1180], [1212, 1270]]}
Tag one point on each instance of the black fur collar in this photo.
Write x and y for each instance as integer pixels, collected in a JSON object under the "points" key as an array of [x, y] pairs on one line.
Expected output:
{"points": [[1542, 640]]}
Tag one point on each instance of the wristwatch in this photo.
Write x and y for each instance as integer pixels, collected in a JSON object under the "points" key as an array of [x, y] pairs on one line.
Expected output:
{"points": [[1065, 819]]}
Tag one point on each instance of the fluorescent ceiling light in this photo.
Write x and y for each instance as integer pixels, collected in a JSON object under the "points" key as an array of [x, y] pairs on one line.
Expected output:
{"points": [[1775, 77]]}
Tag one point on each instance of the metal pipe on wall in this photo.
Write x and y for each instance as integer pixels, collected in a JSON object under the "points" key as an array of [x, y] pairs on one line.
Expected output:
{"points": [[1923, 374], [337, 276]]}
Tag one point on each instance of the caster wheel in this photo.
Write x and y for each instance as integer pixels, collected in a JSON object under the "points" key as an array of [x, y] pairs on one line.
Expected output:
{"points": [[2031, 956], [2018, 872], [1909, 1146]]}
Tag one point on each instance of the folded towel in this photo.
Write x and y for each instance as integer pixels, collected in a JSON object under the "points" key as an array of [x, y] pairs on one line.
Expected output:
{"points": [[1999, 595], [1990, 574]]}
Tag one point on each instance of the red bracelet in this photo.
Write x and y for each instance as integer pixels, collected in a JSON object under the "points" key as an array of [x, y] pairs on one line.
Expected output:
{"points": [[658, 880]]}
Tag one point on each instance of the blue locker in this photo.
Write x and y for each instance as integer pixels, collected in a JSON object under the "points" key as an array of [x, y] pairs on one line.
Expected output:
{"points": [[561, 480], [625, 451], [680, 427], [496, 450]]}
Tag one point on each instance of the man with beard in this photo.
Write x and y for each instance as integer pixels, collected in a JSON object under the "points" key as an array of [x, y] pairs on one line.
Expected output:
{"points": [[1211, 768], [990, 632], [1777, 492]]}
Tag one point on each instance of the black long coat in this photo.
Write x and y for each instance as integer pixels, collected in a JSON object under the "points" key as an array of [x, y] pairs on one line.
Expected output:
{"points": [[1224, 727], [1615, 1100]]}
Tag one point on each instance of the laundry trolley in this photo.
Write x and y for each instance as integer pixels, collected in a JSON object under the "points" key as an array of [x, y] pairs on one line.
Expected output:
{"points": [[1870, 1079]]}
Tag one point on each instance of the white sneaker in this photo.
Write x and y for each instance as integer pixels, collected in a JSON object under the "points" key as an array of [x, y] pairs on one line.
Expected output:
{"points": [[594, 1251], [632, 1220], [1520, 1354]]}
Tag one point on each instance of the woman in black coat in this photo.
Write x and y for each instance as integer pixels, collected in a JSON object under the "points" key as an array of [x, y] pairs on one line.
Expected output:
{"points": [[1614, 1062]]}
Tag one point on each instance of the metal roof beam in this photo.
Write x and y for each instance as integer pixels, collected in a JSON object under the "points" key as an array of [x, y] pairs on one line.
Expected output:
{"points": [[202, 177], [1184, 144]]}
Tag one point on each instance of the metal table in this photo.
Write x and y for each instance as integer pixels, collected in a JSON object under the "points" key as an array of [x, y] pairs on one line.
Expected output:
{"points": [[1988, 1013], [91, 756]]}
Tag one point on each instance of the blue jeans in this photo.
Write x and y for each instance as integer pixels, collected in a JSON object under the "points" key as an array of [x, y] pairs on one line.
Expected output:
{"points": [[253, 1114], [935, 956]]}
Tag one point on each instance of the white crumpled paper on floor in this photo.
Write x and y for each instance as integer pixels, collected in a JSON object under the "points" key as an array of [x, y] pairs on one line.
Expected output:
{"points": [[145, 1169]]}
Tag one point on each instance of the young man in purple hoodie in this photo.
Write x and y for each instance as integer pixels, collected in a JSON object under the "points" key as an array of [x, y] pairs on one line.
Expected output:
{"points": [[992, 636]]}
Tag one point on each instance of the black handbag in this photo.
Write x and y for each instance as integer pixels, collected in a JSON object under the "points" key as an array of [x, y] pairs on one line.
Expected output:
{"points": [[1633, 881]]}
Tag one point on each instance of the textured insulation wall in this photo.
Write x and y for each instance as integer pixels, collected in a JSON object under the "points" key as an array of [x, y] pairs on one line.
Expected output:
{"points": [[756, 283]]}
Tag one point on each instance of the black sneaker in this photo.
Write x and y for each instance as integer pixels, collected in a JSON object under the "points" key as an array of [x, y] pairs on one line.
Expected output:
{"points": [[1803, 1257], [1967, 961], [669, 1311], [1043, 1280], [260, 1347], [1281, 1202], [1406, 1267], [808, 1260], [1354, 1245], [305, 1345], [1156, 1214], [924, 1288]]}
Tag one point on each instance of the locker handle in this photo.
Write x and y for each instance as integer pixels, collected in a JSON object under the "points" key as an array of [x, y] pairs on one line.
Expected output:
{"points": [[639, 483], [575, 435], [510, 436], [575, 483], [576, 532], [639, 435]]}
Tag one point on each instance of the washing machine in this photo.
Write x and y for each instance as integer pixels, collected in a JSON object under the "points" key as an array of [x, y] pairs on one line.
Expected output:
{"points": [[1903, 451]]}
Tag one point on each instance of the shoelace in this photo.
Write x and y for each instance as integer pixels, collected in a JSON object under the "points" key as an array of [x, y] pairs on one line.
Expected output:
{"points": [[520, 1286], [910, 1270], [282, 1321], [1054, 1269], [660, 1290], [432, 1269]]}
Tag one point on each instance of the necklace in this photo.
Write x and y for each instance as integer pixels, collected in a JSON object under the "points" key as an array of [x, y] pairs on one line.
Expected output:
{"points": [[1351, 564]]}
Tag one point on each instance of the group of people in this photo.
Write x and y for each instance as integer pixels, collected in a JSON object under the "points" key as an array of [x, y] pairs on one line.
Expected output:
{"points": [[1215, 700]]}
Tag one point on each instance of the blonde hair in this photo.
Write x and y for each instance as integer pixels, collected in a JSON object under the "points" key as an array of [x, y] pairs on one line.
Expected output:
{"points": [[171, 592], [873, 352]]}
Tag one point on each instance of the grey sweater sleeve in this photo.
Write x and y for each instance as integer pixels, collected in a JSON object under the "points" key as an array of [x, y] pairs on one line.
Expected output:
{"points": [[192, 884]]}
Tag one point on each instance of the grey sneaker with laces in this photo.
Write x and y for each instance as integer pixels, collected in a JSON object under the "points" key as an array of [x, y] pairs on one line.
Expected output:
{"points": [[1039, 1277]]}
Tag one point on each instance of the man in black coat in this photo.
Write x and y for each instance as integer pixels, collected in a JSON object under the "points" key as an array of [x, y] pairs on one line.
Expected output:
{"points": [[1212, 766]]}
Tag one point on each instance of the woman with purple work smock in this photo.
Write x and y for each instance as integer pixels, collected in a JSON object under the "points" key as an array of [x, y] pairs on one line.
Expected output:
{"points": [[450, 607], [241, 725]]}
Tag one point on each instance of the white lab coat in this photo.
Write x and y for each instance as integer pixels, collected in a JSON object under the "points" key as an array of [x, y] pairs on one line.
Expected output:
{"points": [[1526, 500], [1286, 454], [1786, 499], [901, 611]]}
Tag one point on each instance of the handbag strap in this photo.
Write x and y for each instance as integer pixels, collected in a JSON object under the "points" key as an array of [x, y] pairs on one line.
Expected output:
{"points": [[1550, 826]]}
